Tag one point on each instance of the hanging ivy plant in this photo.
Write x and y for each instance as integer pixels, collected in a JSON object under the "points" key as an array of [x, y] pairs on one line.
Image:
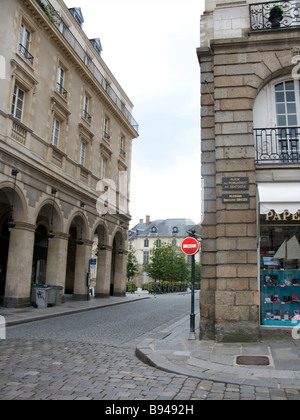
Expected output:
{"points": [[50, 11]]}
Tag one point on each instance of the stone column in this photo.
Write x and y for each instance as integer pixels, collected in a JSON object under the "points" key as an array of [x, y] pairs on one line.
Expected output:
{"points": [[57, 260], [19, 266], [83, 255], [120, 274], [102, 289]]}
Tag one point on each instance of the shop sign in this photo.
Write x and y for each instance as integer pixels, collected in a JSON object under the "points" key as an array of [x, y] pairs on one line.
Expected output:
{"points": [[286, 216], [235, 183]]}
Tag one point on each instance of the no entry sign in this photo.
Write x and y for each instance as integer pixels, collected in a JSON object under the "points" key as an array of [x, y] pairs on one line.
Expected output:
{"points": [[190, 246]]}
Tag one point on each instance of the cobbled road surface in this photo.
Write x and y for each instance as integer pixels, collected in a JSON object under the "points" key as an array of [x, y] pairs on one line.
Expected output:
{"points": [[91, 356]]}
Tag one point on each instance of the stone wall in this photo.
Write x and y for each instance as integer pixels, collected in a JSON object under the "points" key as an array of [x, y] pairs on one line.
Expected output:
{"points": [[232, 73]]}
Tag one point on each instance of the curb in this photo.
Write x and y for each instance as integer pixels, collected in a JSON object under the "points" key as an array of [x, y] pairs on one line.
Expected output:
{"points": [[41, 317], [213, 371]]}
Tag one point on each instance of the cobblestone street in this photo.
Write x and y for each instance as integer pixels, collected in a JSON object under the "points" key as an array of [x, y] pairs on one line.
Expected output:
{"points": [[62, 359], [53, 370]]}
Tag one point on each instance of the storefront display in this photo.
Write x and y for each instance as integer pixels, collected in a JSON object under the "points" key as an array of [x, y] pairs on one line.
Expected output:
{"points": [[280, 271]]}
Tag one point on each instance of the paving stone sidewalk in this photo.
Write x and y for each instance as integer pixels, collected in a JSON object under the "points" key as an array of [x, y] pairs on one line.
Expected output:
{"points": [[173, 351]]}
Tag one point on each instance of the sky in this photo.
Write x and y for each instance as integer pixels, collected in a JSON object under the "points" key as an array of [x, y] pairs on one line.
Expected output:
{"points": [[150, 47]]}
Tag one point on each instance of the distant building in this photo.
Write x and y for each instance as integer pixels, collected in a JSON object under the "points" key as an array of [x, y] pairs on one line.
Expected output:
{"points": [[145, 235], [66, 131]]}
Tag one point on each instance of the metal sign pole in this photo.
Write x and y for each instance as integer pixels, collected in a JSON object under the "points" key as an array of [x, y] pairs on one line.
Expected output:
{"points": [[190, 246], [192, 316]]}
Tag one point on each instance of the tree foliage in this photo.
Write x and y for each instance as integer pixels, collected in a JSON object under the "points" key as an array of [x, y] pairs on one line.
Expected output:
{"points": [[167, 263], [132, 264]]}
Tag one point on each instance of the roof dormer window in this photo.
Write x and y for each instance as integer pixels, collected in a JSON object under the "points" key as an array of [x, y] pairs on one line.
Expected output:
{"points": [[77, 14]]}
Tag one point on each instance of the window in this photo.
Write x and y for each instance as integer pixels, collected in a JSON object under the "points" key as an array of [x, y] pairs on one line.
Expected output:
{"points": [[158, 242], [82, 153], [107, 86], [146, 243], [55, 132], [61, 78], [122, 146], [25, 43], [106, 129], [286, 104], [103, 168], [277, 122], [279, 268], [18, 103], [86, 105], [145, 257], [87, 60]]}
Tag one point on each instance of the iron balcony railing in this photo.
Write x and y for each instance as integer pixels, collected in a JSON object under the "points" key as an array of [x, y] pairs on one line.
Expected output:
{"points": [[25, 53], [262, 15], [279, 145], [79, 50]]}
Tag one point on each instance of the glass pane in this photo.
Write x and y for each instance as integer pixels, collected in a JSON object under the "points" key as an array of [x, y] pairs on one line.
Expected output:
{"points": [[280, 108], [279, 97], [292, 119], [290, 96], [279, 87], [291, 108], [289, 86], [281, 120]]}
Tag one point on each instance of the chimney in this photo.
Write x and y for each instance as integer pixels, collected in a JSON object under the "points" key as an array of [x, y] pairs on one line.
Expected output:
{"points": [[147, 220], [141, 221]]}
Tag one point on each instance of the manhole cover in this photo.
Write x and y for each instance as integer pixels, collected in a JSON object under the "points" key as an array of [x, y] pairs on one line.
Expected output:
{"points": [[253, 360]]}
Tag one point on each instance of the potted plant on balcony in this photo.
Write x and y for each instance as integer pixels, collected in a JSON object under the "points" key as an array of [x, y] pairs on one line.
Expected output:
{"points": [[276, 16]]}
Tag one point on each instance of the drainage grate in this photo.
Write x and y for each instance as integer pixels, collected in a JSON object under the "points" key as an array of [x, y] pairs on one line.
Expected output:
{"points": [[253, 360]]}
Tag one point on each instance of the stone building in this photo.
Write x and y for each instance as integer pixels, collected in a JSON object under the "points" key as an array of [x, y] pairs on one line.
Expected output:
{"points": [[145, 235], [66, 133], [250, 118]]}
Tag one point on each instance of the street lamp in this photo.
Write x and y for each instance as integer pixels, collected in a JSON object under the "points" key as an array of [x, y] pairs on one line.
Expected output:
{"points": [[80, 241], [11, 224], [50, 234]]}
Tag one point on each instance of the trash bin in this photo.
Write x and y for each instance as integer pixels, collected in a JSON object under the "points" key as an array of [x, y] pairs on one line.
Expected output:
{"points": [[44, 295], [41, 295], [57, 292]]}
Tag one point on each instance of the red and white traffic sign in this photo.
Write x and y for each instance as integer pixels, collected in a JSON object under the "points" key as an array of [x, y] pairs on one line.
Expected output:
{"points": [[190, 246]]}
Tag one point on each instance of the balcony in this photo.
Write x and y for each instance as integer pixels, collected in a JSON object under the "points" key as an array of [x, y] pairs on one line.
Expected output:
{"points": [[279, 145], [261, 15], [26, 54], [61, 90]]}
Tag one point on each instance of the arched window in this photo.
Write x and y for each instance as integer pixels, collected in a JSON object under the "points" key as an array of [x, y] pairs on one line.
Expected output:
{"points": [[276, 119]]}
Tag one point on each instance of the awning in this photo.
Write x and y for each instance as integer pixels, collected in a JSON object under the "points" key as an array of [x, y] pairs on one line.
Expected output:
{"points": [[279, 197]]}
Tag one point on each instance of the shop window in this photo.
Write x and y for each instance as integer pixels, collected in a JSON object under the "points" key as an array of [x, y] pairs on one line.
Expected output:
{"points": [[280, 269]]}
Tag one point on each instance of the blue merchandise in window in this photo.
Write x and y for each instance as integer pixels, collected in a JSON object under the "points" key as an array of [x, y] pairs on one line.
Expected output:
{"points": [[280, 275]]}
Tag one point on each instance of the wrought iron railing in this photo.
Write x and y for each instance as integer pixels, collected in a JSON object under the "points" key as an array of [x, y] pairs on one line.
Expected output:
{"points": [[61, 90], [79, 50], [25, 53], [277, 145], [261, 15]]}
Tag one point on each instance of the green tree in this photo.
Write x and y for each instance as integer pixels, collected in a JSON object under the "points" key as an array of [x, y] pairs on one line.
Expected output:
{"points": [[167, 263], [132, 264]]}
